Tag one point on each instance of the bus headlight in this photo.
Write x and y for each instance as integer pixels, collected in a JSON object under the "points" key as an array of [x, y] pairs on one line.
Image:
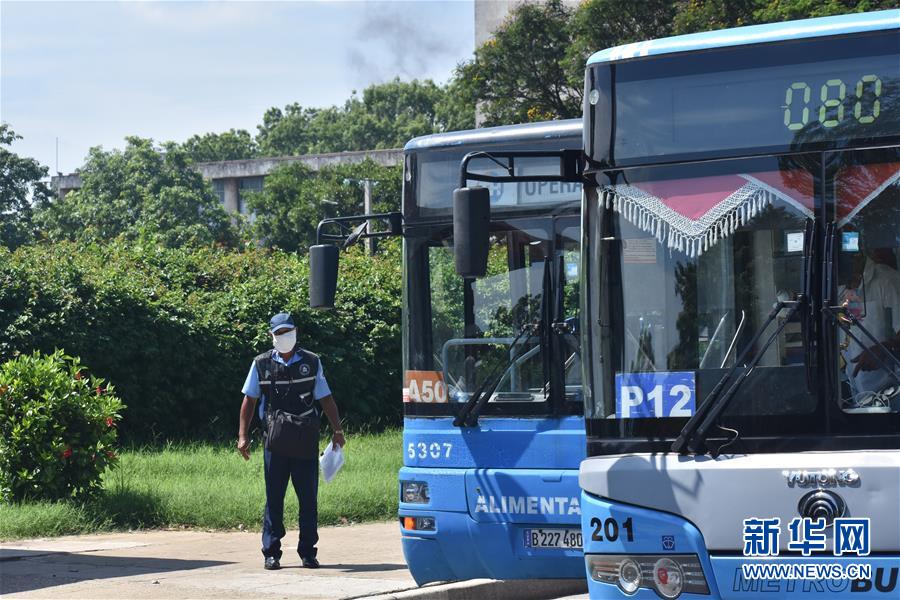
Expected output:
{"points": [[668, 575], [629, 576], [414, 492], [668, 578]]}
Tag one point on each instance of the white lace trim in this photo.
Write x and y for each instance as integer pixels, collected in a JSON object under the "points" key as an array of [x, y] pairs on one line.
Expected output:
{"points": [[682, 233]]}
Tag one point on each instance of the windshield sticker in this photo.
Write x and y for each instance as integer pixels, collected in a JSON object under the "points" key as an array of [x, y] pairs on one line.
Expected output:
{"points": [[424, 386], [794, 241], [850, 241], [656, 395], [639, 251]]}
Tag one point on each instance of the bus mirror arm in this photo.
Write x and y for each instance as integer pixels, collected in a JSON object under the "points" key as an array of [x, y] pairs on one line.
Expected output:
{"points": [[324, 257], [807, 317]]}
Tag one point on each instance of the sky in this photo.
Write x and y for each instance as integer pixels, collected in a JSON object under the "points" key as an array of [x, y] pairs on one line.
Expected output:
{"points": [[91, 73]]}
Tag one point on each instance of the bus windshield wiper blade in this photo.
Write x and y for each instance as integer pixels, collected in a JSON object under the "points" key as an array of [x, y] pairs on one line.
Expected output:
{"points": [[846, 321], [693, 437], [468, 415]]}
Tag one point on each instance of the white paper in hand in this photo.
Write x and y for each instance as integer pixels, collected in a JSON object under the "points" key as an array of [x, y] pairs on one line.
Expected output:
{"points": [[331, 461]]}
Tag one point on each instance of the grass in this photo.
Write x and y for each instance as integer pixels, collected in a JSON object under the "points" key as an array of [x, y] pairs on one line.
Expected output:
{"points": [[211, 487]]}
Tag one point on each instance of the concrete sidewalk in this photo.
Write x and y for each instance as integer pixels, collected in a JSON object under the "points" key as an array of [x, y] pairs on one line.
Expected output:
{"points": [[357, 561]]}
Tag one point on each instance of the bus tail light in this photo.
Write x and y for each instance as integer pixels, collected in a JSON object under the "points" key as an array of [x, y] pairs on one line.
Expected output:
{"points": [[417, 523], [668, 575]]}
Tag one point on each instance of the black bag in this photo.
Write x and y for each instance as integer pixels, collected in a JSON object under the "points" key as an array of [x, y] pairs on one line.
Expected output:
{"points": [[295, 436]]}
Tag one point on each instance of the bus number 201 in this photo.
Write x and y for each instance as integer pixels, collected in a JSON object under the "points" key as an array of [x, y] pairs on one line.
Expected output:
{"points": [[610, 529]]}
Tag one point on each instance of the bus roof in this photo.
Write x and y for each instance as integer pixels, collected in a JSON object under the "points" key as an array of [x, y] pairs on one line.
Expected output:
{"points": [[506, 133], [754, 34]]}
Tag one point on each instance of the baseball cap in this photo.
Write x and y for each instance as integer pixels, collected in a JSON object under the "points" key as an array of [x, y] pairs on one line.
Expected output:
{"points": [[280, 321]]}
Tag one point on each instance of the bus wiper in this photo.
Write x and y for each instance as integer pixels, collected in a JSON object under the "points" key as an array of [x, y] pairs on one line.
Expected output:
{"points": [[693, 437], [468, 415], [846, 321]]}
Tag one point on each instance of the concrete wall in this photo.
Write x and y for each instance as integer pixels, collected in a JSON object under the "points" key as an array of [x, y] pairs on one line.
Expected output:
{"points": [[230, 172]]}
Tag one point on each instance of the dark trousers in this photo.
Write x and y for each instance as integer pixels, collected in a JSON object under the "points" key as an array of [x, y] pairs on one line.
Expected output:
{"points": [[305, 476]]}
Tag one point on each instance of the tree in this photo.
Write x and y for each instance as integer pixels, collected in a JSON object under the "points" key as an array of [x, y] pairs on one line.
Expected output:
{"points": [[234, 144], [601, 24], [295, 198], [386, 115], [520, 75], [707, 15], [21, 190], [144, 192]]}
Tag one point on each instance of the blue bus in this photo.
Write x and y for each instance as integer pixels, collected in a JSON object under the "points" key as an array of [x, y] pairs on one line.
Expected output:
{"points": [[489, 489], [493, 425], [741, 313]]}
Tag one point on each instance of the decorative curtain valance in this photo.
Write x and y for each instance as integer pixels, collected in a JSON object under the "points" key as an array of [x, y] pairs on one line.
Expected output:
{"points": [[690, 215], [857, 185]]}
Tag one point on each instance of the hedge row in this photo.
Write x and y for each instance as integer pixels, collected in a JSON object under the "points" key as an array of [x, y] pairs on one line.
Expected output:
{"points": [[175, 330]]}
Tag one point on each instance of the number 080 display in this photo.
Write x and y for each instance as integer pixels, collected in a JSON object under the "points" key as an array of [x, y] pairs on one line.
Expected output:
{"points": [[832, 94]]}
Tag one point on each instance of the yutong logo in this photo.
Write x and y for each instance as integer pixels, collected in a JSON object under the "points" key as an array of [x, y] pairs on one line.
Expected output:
{"points": [[822, 478], [528, 505]]}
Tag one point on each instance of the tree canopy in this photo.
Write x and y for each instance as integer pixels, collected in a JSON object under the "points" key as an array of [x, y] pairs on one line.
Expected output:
{"points": [[145, 192], [21, 191], [234, 144], [295, 198], [386, 115]]}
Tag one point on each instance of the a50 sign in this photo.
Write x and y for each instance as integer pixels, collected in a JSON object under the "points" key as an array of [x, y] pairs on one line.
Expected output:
{"points": [[655, 395], [424, 386]]}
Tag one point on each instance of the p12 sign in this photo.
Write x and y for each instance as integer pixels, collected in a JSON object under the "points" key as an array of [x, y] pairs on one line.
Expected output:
{"points": [[655, 395]]}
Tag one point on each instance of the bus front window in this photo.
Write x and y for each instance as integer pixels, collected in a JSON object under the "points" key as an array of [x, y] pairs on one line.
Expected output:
{"points": [[867, 196], [687, 268], [478, 331]]}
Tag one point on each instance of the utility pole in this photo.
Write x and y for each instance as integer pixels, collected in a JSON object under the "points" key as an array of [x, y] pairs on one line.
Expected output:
{"points": [[367, 209]]}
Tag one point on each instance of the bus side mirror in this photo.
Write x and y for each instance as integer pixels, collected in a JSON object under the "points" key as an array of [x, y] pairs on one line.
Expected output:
{"points": [[323, 275], [471, 230]]}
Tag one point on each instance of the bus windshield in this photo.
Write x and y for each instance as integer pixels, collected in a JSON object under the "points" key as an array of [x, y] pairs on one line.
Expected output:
{"points": [[690, 261], [468, 330]]}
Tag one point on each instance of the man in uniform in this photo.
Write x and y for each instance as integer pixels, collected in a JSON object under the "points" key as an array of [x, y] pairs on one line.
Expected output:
{"points": [[293, 376]]}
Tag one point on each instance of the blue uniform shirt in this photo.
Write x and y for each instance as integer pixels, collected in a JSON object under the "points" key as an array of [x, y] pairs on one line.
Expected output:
{"points": [[251, 385]]}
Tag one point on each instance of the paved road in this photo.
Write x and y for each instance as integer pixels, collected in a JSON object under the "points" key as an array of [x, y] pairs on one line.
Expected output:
{"points": [[360, 560]]}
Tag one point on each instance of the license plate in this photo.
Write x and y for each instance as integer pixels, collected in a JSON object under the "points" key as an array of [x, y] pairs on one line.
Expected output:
{"points": [[553, 538]]}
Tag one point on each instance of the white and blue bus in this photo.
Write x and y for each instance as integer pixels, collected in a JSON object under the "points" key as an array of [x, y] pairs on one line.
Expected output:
{"points": [[490, 488], [741, 313], [493, 429]]}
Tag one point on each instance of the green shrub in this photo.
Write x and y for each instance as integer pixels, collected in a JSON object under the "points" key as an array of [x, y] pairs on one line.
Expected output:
{"points": [[57, 428], [175, 330]]}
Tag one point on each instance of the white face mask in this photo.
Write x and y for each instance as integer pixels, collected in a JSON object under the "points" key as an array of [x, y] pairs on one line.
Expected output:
{"points": [[285, 342]]}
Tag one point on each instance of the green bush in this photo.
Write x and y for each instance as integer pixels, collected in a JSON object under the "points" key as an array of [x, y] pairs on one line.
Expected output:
{"points": [[57, 428], [175, 330]]}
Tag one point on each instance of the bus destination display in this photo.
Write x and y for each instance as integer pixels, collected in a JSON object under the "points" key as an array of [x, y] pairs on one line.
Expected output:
{"points": [[782, 106]]}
